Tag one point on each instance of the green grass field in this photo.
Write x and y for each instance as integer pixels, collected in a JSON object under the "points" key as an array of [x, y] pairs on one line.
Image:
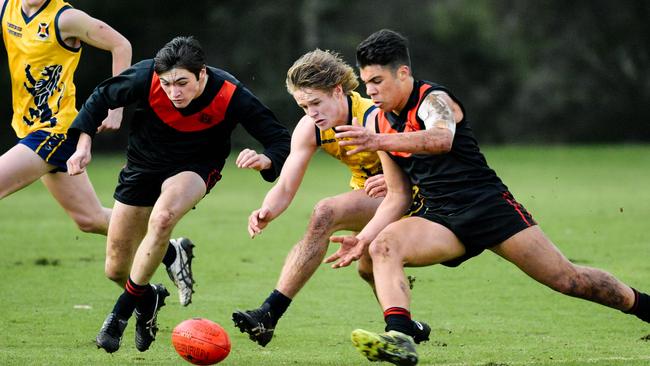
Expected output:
{"points": [[594, 202]]}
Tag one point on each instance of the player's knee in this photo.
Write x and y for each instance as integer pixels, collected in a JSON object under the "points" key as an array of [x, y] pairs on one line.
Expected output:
{"points": [[116, 274], [162, 222], [323, 214], [384, 247]]}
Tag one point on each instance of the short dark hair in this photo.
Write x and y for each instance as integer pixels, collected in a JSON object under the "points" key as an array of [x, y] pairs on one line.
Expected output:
{"points": [[181, 52], [385, 48]]}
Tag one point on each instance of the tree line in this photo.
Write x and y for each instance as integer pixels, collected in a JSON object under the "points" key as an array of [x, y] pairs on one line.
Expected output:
{"points": [[526, 71]]}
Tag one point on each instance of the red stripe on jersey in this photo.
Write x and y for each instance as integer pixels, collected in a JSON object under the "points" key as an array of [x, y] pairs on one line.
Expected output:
{"points": [[209, 116]]}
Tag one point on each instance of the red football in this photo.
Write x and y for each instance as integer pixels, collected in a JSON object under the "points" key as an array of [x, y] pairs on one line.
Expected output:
{"points": [[201, 341]]}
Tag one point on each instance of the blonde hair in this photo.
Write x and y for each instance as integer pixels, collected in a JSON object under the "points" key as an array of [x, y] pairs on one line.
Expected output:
{"points": [[322, 70]]}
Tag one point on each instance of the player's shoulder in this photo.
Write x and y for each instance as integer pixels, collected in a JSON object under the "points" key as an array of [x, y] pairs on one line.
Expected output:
{"points": [[304, 126], [305, 132], [220, 74], [142, 69]]}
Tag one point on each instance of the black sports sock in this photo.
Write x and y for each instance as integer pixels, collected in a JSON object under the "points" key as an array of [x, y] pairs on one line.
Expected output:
{"points": [[278, 304], [170, 255], [126, 303], [641, 307], [399, 319]]}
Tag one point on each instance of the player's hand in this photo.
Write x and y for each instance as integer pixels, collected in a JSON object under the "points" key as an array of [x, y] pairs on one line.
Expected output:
{"points": [[249, 159], [78, 162], [351, 250], [258, 220], [375, 186], [360, 137], [113, 121]]}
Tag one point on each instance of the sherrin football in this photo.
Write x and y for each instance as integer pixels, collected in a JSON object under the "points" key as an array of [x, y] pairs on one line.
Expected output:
{"points": [[201, 341]]}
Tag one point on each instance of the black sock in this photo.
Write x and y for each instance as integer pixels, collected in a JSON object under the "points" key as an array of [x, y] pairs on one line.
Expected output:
{"points": [[277, 303], [641, 307], [399, 319], [170, 255], [132, 294]]}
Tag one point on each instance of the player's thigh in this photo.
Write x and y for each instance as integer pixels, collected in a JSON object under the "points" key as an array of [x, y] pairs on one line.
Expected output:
{"points": [[419, 242], [179, 193], [127, 229], [20, 167], [352, 210], [534, 253], [74, 193]]}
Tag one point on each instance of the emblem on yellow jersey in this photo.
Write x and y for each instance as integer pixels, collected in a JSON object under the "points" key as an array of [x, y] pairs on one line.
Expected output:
{"points": [[43, 31], [42, 86]]}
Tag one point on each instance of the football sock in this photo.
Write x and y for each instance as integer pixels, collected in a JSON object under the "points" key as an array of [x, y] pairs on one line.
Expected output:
{"points": [[127, 301], [278, 304], [170, 255], [641, 307], [399, 319]]}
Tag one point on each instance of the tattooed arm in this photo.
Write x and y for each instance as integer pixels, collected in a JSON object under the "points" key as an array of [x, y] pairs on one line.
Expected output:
{"points": [[440, 115]]}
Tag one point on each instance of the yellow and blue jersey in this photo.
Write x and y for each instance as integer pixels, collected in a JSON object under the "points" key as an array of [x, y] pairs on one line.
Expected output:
{"points": [[42, 68], [363, 164]]}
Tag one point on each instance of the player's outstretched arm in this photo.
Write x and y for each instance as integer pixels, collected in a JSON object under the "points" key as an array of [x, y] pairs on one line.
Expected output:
{"points": [[303, 147], [77, 26]]}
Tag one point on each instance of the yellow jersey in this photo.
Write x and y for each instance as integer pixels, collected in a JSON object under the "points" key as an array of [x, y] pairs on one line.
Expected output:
{"points": [[363, 164], [42, 68]]}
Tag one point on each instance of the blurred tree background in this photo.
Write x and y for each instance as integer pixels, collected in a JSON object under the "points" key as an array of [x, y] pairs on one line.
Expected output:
{"points": [[527, 71]]}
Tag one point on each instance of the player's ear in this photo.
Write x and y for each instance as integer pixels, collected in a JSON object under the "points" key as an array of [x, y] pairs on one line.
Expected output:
{"points": [[338, 90], [403, 72]]}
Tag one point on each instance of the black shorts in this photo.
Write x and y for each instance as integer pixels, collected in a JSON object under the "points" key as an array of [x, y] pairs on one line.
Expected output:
{"points": [[140, 188], [486, 219]]}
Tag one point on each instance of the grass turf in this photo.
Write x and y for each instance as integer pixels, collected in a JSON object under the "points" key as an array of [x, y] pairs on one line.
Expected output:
{"points": [[593, 202]]}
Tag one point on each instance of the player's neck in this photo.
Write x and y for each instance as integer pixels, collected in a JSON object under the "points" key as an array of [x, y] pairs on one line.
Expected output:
{"points": [[202, 85], [31, 7], [405, 92]]}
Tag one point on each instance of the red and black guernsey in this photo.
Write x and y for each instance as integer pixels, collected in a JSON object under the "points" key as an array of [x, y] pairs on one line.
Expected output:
{"points": [[162, 136], [209, 116], [443, 179]]}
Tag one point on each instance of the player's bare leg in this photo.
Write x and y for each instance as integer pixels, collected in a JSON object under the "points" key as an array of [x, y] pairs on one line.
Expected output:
{"points": [[411, 241], [364, 269], [78, 198], [20, 167], [537, 256], [347, 211], [128, 228], [178, 195]]}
